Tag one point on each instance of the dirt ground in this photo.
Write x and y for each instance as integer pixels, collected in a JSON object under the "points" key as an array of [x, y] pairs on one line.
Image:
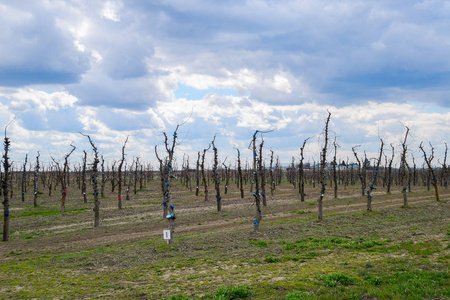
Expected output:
{"points": [[43, 228]]}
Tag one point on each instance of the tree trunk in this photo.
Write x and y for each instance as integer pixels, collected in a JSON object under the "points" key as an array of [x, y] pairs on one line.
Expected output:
{"points": [[322, 171], [403, 169], [216, 177], [63, 203], [119, 171], [262, 174], [371, 187], [83, 178], [241, 184], [5, 186]]}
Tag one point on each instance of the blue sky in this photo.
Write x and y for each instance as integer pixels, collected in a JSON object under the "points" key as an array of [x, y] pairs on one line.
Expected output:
{"points": [[114, 69]]}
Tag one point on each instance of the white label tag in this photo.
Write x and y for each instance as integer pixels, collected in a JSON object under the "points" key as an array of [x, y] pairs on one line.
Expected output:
{"points": [[166, 234]]}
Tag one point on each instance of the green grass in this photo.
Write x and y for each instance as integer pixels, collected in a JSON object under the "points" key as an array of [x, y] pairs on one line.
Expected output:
{"points": [[334, 279], [45, 212], [423, 249], [239, 292], [259, 243], [299, 295], [393, 254]]}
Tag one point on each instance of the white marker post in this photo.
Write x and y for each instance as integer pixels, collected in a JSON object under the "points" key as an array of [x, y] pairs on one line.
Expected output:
{"points": [[166, 235]]}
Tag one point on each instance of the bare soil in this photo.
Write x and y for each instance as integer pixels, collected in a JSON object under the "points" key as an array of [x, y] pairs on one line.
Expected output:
{"points": [[142, 218]]}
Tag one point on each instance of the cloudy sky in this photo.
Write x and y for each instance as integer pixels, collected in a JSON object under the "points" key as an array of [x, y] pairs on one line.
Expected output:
{"points": [[138, 68]]}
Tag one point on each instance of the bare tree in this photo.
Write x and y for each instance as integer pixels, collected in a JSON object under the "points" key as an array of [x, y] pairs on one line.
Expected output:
{"points": [[63, 178], [204, 179], [102, 187], [278, 171], [119, 171], [262, 173], [256, 194], [272, 178], [136, 165], [240, 177], [113, 177], [322, 170], [168, 169], [314, 174], [83, 177], [35, 181], [372, 185], [335, 144], [389, 175], [50, 180], [301, 172], [291, 172], [94, 182], [257, 157], [414, 175], [24, 178], [141, 177], [444, 175], [163, 181], [227, 176], [428, 161], [361, 170], [186, 178], [5, 185], [216, 176], [403, 167], [197, 175]]}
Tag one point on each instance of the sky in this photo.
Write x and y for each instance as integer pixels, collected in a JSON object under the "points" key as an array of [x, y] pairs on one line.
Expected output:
{"points": [[112, 69]]}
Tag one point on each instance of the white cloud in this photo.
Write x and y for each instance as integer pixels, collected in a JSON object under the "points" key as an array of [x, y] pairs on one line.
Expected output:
{"points": [[115, 67], [40, 101], [37, 49], [281, 83], [111, 10]]}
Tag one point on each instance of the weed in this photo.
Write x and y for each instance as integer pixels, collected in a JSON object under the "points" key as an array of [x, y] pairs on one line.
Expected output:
{"points": [[297, 295], [163, 247], [424, 249], [334, 279], [259, 243], [374, 280], [179, 297], [43, 211], [293, 258], [239, 292], [271, 259], [310, 255], [29, 236]]}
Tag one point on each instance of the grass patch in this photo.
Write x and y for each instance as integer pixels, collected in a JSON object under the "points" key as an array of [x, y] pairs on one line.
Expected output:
{"points": [[46, 212], [423, 249], [299, 295], [271, 259], [239, 292], [259, 243], [397, 254], [301, 212], [332, 243], [335, 279]]}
